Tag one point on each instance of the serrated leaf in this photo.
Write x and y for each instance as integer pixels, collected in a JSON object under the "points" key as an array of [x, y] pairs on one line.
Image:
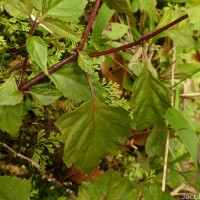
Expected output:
{"points": [[84, 61], [68, 11], [93, 131], [110, 186], [153, 191], [149, 101], [9, 93], [38, 52], [11, 119], [120, 6], [117, 31], [149, 6], [71, 82], [44, 96], [155, 144], [60, 28], [13, 188], [184, 131]]}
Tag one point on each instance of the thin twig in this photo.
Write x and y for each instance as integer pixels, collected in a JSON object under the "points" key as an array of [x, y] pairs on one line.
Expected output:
{"points": [[172, 104], [39, 168], [165, 162]]}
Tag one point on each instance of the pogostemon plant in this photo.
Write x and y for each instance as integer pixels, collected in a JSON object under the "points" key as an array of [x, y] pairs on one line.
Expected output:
{"points": [[99, 73]]}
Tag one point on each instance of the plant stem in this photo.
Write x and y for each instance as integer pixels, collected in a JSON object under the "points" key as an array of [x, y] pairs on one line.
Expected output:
{"points": [[74, 54], [89, 25], [144, 38], [26, 57]]}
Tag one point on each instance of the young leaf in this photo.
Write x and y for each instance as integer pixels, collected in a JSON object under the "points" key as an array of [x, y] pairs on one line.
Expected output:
{"points": [[110, 186], [184, 131], [71, 82], [11, 119], [194, 14], [149, 101], [44, 96], [68, 11], [13, 188], [38, 51], [84, 61], [117, 31], [149, 6], [93, 131], [9, 93], [60, 28]]}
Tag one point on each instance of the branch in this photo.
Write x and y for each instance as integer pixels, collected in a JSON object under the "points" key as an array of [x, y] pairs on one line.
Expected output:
{"points": [[39, 168], [74, 54], [54, 68], [144, 38], [72, 57], [89, 25], [26, 57]]}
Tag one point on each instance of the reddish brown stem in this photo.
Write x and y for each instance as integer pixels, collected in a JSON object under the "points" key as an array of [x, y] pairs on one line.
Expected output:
{"points": [[74, 55], [89, 25], [26, 57], [71, 58], [144, 38], [54, 68]]}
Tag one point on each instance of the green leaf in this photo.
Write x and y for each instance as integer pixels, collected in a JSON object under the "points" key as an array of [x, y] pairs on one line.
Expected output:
{"points": [[188, 68], [117, 31], [110, 186], [38, 51], [60, 28], [153, 191], [192, 3], [11, 119], [68, 11], [13, 188], [9, 93], [24, 6], [155, 144], [194, 14], [44, 96], [37, 4], [84, 61], [184, 131], [102, 19], [183, 29], [149, 101], [120, 6], [71, 82], [93, 131], [149, 6]]}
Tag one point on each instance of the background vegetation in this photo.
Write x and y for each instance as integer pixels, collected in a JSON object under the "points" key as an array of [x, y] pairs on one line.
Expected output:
{"points": [[99, 99]]}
